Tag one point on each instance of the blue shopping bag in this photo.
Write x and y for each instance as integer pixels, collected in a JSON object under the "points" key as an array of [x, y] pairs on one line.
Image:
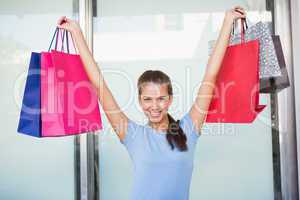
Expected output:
{"points": [[30, 122], [30, 116]]}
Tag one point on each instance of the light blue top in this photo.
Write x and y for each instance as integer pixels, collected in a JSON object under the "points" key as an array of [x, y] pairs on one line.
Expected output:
{"points": [[160, 173]]}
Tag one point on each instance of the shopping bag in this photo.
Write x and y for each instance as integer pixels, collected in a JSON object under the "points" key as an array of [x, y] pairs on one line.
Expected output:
{"points": [[69, 101], [51, 104], [30, 115], [58, 98], [276, 84], [236, 92], [268, 62]]}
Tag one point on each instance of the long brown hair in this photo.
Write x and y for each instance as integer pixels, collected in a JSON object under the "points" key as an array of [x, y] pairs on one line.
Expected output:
{"points": [[175, 135]]}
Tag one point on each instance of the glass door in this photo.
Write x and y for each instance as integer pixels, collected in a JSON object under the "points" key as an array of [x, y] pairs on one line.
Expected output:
{"points": [[233, 161], [30, 168]]}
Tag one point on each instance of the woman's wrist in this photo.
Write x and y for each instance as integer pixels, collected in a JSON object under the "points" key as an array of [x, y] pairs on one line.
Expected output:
{"points": [[76, 33], [228, 21]]}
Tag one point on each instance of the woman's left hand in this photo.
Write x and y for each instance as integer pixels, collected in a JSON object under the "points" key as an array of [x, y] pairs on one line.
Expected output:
{"points": [[234, 14]]}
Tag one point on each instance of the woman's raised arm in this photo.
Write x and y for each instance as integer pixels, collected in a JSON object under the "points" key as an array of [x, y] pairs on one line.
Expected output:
{"points": [[200, 107], [112, 110]]}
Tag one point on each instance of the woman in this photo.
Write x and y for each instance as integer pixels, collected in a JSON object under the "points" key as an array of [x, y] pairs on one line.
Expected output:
{"points": [[162, 151]]}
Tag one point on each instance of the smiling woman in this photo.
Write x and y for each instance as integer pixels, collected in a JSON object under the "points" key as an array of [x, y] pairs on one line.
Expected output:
{"points": [[181, 135], [155, 97], [230, 161], [173, 37]]}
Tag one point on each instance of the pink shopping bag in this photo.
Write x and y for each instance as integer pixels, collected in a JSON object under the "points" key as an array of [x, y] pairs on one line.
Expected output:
{"points": [[69, 103]]}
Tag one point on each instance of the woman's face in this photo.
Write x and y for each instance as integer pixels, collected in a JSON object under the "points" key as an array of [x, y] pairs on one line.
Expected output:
{"points": [[155, 101]]}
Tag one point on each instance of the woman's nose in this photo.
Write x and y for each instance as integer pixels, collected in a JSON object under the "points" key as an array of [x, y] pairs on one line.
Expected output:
{"points": [[155, 104]]}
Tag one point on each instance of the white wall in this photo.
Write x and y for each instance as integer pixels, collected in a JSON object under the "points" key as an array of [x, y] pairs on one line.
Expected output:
{"points": [[30, 168]]}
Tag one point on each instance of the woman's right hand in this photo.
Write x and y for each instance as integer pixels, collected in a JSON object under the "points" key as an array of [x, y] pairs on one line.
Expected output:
{"points": [[68, 24]]}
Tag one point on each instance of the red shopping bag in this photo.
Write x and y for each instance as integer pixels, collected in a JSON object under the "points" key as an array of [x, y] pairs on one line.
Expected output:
{"points": [[69, 103], [236, 94]]}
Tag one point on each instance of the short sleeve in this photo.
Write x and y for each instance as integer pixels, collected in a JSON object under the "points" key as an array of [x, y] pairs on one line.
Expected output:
{"points": [[131, 133], [188, 127]]}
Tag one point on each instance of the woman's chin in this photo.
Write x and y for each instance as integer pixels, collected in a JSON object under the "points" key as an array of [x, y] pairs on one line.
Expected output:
{"points": [[155, 118]]}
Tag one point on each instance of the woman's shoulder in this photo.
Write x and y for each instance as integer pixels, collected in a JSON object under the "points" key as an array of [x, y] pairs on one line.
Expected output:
{"points": [[188, 127], [134, 129]]}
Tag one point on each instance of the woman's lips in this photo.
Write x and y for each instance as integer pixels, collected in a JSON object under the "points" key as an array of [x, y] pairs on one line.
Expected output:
{"points": [[155, 114]]}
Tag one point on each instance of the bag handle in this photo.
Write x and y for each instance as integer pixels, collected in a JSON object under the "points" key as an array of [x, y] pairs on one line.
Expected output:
{"points": [[62, 42], [73, 43], [56, 36], [55, 33], [63, 34], [66, 34], [246, 24], [244, 27]]}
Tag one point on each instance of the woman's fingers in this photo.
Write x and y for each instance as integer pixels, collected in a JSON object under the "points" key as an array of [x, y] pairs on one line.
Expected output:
{"points": [[240, 11], [67, 24], [64, 23], [61, 20], [235, 13], [61, 26], [239, 7]]}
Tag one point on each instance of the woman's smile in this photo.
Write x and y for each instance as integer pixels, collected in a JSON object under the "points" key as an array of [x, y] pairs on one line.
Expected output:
{"points": [[155, 114]]}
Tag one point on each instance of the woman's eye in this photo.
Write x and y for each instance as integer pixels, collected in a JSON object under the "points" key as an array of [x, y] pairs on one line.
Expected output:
{"points": [[159, 99]]}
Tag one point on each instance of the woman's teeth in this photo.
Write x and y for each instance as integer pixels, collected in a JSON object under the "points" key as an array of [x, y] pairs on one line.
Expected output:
{"points": [[155, 114]]}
